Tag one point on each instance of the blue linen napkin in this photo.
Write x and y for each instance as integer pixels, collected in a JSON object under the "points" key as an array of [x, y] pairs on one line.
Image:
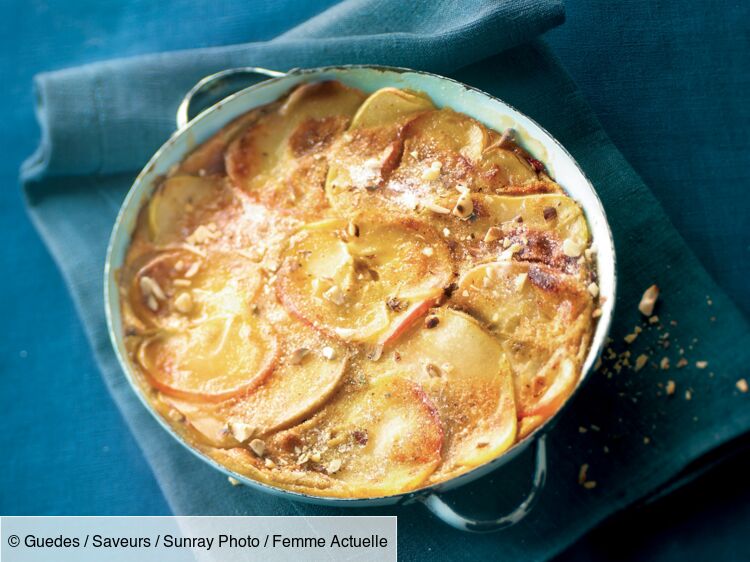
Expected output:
{"points": [[101, 122]]}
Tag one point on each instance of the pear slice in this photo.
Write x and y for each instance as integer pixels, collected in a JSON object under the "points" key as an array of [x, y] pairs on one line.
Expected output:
{"points": [[280, 159], [353, 281], [213, 360], [464, 371], [542, 318], [179, 202], [376, 440]]}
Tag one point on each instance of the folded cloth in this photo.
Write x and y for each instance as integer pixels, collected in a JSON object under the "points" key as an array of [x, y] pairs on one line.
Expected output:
{"points": [[101, 123]]}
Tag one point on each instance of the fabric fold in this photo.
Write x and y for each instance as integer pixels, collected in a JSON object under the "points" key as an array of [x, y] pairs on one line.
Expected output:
{"points": [[123, 110], [102, 122]]}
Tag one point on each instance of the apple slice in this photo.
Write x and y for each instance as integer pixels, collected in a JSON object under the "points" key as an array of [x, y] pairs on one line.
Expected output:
{"points": [[213, 360], [280, 159], [354, 280], [376, 440], [464, 371], [542, 317], [178, 287], [180, 201], [208, 158], [297, 388], [363, 159], [387, 106]]}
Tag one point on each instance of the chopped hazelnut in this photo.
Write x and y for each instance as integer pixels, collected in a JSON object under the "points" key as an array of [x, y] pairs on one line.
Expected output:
{"points": [[240, 431], [571, 248], [464, 206], [641, 361], [742, 385], [258, 447], [648, 300], [184, 302]]}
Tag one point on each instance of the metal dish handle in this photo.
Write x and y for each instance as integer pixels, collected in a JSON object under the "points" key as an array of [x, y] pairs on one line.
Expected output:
{"points": [[219, 86], [450, 516]]}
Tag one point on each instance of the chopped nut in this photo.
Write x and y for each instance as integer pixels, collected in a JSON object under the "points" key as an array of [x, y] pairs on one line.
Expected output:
{"points": [[493, 233], [646, 440], [593, 289], [464, 206], [151, 287], [520, 280], [433, 172], [648, 300], [701, 364], [446, 231], [329, 353], [375, 353], [152, 303], [298, 355], [233, 481], [269, 463], [549, 213], [654, 319], [395, 304], [258, 447], [664, 364], [432, 370], [688, 395], [670, 387], [428, 251], [334, 466], [590, 484], [241, 431], [352, 230], [597, 313], [431, 321], [303, 458], [641, 361], [181, 283], [742, 385], [630, 338], [571, 249], [682, 363], [184, 303]]}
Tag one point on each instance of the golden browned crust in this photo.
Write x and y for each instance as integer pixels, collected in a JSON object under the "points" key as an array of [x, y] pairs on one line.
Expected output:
{"points": [[355, 296]]}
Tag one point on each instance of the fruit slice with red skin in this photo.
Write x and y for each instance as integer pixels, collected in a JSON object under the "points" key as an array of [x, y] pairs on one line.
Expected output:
{"points": [[208, 158], [380, 439], [292, 392], [218, 283], [213, 360], [464, 371], [542, 318], [357, 286], [281, 159], [364, 158]]}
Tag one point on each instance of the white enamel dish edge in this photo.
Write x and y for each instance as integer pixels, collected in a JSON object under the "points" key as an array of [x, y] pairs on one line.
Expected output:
{"points": [[444, 92]]}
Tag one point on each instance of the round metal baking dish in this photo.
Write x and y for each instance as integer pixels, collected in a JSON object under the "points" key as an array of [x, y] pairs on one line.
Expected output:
{"points": [[444, 93]]}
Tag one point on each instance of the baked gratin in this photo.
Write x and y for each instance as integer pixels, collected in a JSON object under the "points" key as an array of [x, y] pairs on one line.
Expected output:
{"points": [[355, 295]]}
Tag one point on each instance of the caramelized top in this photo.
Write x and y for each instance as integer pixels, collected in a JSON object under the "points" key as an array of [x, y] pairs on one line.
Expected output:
{"points": [[355, 296]]}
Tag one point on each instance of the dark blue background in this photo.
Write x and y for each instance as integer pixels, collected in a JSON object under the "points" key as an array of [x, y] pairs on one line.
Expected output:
{"points": [[669, 80]]}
